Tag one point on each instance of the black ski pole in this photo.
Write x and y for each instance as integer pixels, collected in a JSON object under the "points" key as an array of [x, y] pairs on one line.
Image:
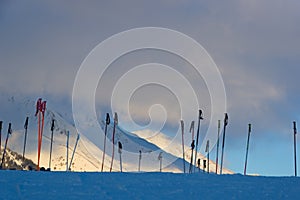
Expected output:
{"points": [[51, 142], [207, 151], [160, 161], [218, 144], [198, 132], [25, 127], [140, 159], [192, 146], [120, 153], [223, 143], [1, 122], [247, 148], [77, 139], [113, 141], [9, 131], [107, 122], [295, 149], [67, 156], [182, 139]]}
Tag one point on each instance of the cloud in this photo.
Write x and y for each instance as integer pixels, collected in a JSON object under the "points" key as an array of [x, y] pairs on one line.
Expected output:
{"points": [[255, 45]]}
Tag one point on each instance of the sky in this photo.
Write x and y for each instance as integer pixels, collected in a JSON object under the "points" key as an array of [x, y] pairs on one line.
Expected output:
{"points": [[254, 44]]}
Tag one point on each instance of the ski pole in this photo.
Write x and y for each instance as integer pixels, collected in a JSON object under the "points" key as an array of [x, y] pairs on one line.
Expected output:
{"points": [[160, 161], [38, 114], [113, 141], [182, 139], [120, 152], [207, 151], [192, 145], [67, 156], [198, 132], [107, 122], [223, 143], [78, 137], [40, 111], [140, 159], [295, 149], [9, 132], [218, 144], [1, 122], [247, 148], [51, 142], [43, 109], [25, 127]]}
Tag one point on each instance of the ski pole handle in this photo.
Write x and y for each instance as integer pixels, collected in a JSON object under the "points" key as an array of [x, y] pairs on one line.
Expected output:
{"points": [[295, 128], [192, 126], [249, 130], [226, 119], [200, 114], [116, 120], [26, 123], [207, 146], [52, 125], [107, 120], [1, 122], [9, 131]]}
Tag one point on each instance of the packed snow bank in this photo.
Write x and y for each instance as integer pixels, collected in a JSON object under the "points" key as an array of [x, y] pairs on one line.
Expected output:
{"points": [[70, 185]]}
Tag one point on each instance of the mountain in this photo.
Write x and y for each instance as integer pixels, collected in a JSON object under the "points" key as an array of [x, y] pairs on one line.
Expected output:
{"points": [[163, 141], [13, 160], [88, 156]]}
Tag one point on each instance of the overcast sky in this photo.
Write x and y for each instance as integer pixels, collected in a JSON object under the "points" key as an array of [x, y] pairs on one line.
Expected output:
{"points": [[255, 44]]}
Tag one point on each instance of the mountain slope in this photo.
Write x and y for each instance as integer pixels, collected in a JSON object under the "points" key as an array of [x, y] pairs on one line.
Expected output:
{"points": [[163, 142], [13, 160], [88, 156]]}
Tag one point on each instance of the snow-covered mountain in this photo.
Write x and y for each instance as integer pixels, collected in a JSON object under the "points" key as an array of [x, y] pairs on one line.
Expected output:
{"points": [[163, 142], [13, 160], [87, 157]]}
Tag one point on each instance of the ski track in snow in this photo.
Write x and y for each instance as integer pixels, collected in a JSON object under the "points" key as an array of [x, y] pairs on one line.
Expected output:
{"points": [[71, 185]]}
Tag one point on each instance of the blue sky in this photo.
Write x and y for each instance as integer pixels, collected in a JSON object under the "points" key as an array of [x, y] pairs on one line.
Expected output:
{"points": [[254, 44]]}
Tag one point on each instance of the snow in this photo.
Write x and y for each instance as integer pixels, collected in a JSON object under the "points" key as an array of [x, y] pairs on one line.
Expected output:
{"points": [[163, 141], [88, 156], [84, 185]]}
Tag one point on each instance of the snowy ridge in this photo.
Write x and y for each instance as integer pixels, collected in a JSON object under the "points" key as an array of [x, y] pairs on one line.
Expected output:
{"points": [[87, 157], [14, 160], [163, 141]]}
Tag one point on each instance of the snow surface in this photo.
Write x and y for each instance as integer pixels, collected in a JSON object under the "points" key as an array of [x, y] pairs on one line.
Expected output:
{"points": [[84, 185]]}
